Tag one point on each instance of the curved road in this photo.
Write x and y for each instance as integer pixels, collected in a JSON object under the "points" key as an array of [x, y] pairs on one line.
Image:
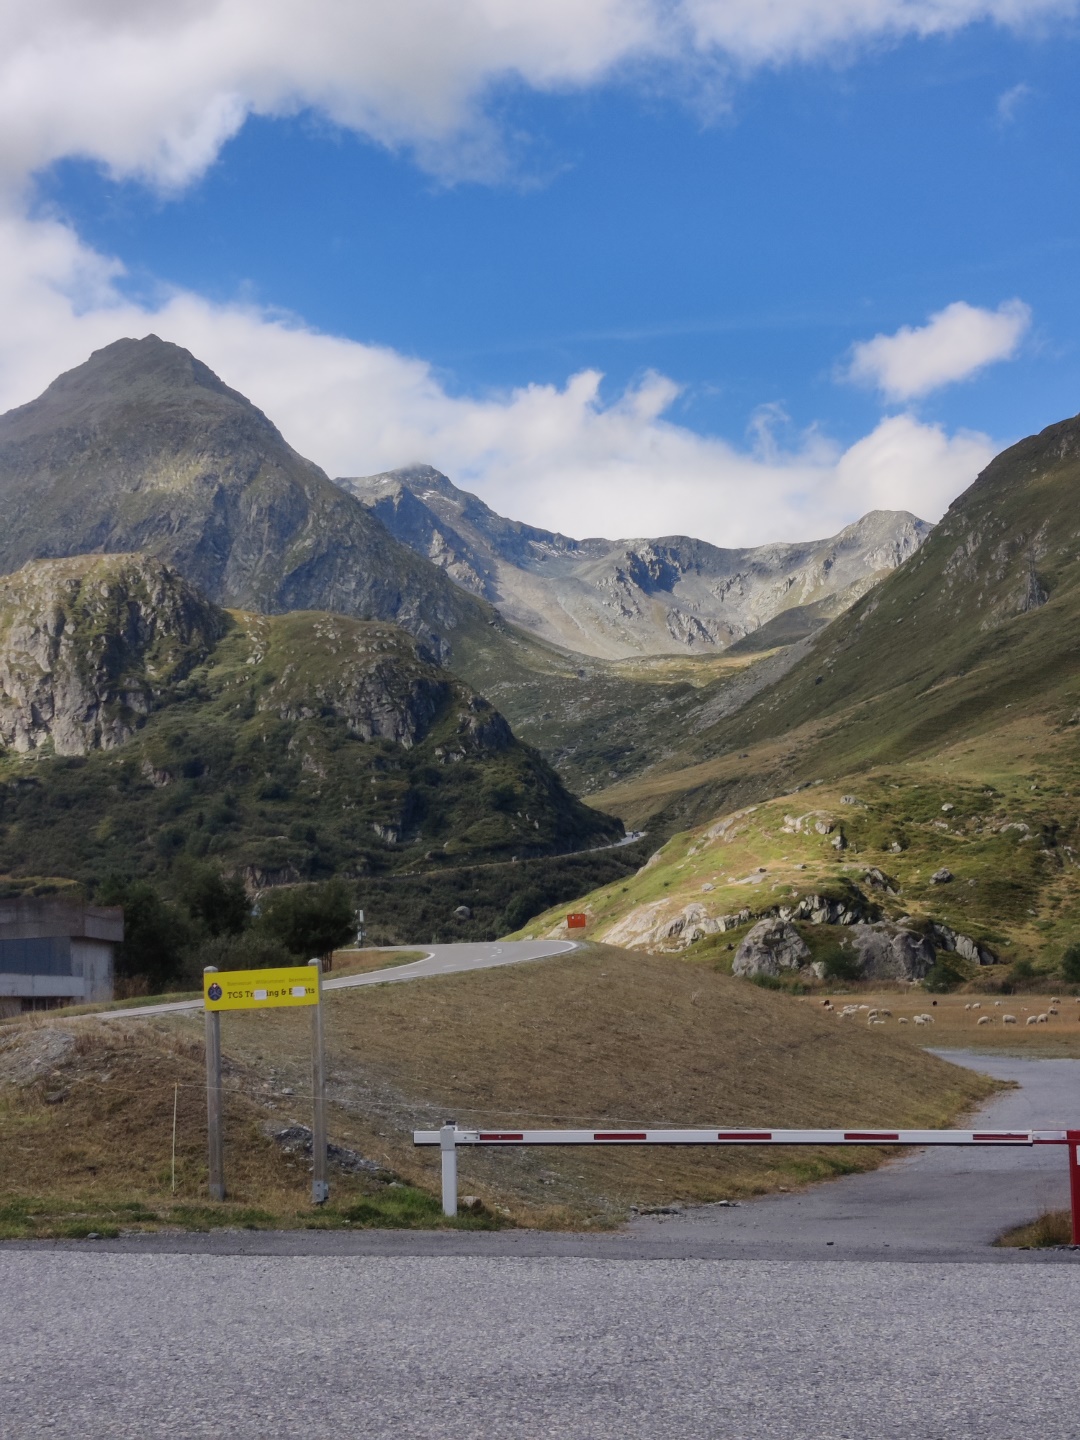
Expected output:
{"points": [[439, 960]]}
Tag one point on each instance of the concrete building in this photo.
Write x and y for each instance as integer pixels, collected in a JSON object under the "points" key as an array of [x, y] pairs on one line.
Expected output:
{"points": [[55, 953]]}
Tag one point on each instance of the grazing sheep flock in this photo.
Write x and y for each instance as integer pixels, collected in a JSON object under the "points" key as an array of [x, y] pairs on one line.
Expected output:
{"points": [[879, 1015]]}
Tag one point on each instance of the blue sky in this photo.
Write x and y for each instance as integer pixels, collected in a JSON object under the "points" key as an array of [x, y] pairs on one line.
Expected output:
{"points": [[736, 232]]}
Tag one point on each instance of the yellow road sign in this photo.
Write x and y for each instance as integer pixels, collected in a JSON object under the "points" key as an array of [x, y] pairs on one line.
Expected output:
{"points": [[261, 989]]}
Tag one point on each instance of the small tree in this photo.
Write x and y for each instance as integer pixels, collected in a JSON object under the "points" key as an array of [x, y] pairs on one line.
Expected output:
{"points": [[1070, 965], [219, 904], [156, 932], [309, 920]]}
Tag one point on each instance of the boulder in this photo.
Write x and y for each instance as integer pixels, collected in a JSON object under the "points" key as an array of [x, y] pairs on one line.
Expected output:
{"points": [[770, 947], [462, 912], [889, 952], [942, 876]]}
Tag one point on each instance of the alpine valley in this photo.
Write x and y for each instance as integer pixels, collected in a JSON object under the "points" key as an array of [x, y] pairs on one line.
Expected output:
{"points": [[213, 655]]}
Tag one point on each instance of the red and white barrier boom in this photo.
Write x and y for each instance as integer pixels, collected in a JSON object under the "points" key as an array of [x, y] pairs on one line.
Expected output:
{"points": [[449, 1138]]}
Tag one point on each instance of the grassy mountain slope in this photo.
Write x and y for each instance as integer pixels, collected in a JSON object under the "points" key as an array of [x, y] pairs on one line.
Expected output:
{"points": [[945, 704], [282, 747], [976, 630]]}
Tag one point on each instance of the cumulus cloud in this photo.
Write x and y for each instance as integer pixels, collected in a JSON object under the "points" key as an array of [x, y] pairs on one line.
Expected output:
{"points": [[557, 456], [156, 90], [953, 345]]}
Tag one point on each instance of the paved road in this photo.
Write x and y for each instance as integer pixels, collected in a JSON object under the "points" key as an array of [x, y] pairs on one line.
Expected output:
{"points": [[105, 1347], [439, 960]]}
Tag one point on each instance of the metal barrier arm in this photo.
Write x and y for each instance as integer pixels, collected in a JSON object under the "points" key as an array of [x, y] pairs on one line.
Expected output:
{"points": [[450, 1137], [739, 1137]]}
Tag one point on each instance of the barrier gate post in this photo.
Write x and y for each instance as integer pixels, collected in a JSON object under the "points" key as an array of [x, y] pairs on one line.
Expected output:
{"points": [[1073, 1139], [448, 1145]]}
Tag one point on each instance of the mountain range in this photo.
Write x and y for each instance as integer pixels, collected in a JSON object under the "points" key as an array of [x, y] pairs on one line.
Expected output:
{"points": [[619, 598], [211, 652]]}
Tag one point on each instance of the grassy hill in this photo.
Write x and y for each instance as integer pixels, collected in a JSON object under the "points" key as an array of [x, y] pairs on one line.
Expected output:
{"points": [[599, 1036], [279, 748]]}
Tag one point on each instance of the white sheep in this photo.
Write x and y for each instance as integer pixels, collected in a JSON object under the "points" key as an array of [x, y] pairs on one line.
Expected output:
{"points": [[1032, 1020], [999, 1002], [977, 1005], [902, 1020], [1008, 1019], [1052, 1011], [1042, 1019], [983, 1020], [967, 1007]]}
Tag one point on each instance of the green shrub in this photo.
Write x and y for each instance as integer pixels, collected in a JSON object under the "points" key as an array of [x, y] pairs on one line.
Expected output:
{"points": [[1070, 964], [840, 964], [309, 920], [944, 975]]}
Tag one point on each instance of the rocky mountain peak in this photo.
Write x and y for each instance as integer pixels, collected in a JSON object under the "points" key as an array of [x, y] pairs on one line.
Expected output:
{"points": [[143, 448], [128, 374], [641, 596]]}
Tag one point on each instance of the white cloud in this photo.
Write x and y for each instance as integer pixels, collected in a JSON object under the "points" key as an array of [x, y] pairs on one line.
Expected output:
{"points": [[154, 90], [556, 456], [953, 345], [1009, 102]]}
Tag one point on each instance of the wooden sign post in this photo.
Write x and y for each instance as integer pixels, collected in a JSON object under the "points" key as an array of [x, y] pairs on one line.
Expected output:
{"points": [[263, 990]]}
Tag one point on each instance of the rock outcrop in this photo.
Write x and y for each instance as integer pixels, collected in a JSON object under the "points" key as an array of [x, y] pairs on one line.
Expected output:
{"points": [[770, 948], [89, 646]]}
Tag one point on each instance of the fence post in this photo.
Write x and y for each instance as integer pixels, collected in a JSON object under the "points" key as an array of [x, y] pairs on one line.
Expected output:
{"points": [[215, 1139], [448, 1142], [320, 1188], [1073, 1139]]}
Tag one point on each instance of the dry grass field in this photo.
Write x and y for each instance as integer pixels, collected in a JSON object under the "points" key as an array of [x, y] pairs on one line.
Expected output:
{"points": [[601, 1036]]}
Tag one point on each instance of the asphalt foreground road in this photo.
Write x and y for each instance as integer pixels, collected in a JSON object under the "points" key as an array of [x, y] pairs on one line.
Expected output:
{"points": [[730, 1324]]}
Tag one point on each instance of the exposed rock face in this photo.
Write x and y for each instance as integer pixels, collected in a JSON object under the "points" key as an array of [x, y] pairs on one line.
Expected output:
{"points": [[849, 909], [88, 646], [963, 945], [888, 952], [615, 598], [771, 947], [143, 448]]}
